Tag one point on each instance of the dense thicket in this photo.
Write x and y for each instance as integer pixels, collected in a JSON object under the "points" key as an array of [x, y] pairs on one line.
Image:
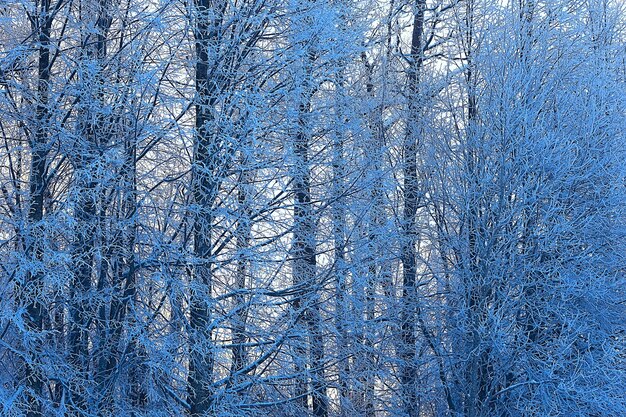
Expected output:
{"points": [[312, 208]]}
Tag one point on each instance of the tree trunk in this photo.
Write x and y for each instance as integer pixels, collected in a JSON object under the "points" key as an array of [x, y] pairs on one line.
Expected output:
{"points": [[304, 260], [33, 288], [204, 191], [93, 136], [243, 232], [411, 206], [339, 261]]}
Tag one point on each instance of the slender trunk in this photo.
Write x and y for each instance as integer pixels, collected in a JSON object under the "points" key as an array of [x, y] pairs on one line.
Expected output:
{"points": [[82, 257], [411, 205], [378, 272], [476, 372], [201, 357], [304, 263], [239, 351], [33, 287], [339, 235], [127, 274], [121, 256], [86, 214], [204, 190]]}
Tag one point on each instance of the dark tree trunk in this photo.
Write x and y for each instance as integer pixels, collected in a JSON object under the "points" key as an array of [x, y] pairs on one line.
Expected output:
{"points": [[33, 287], [304, 261], [94, 135], [204, 191], [411, 206]]}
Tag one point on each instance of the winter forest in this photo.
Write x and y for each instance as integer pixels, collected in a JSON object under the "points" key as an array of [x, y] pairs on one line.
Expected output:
{"points": [[325, 208]]}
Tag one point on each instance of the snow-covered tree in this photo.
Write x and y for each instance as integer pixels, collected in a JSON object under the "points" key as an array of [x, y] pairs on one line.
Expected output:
{"points": [[312, 207]]}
